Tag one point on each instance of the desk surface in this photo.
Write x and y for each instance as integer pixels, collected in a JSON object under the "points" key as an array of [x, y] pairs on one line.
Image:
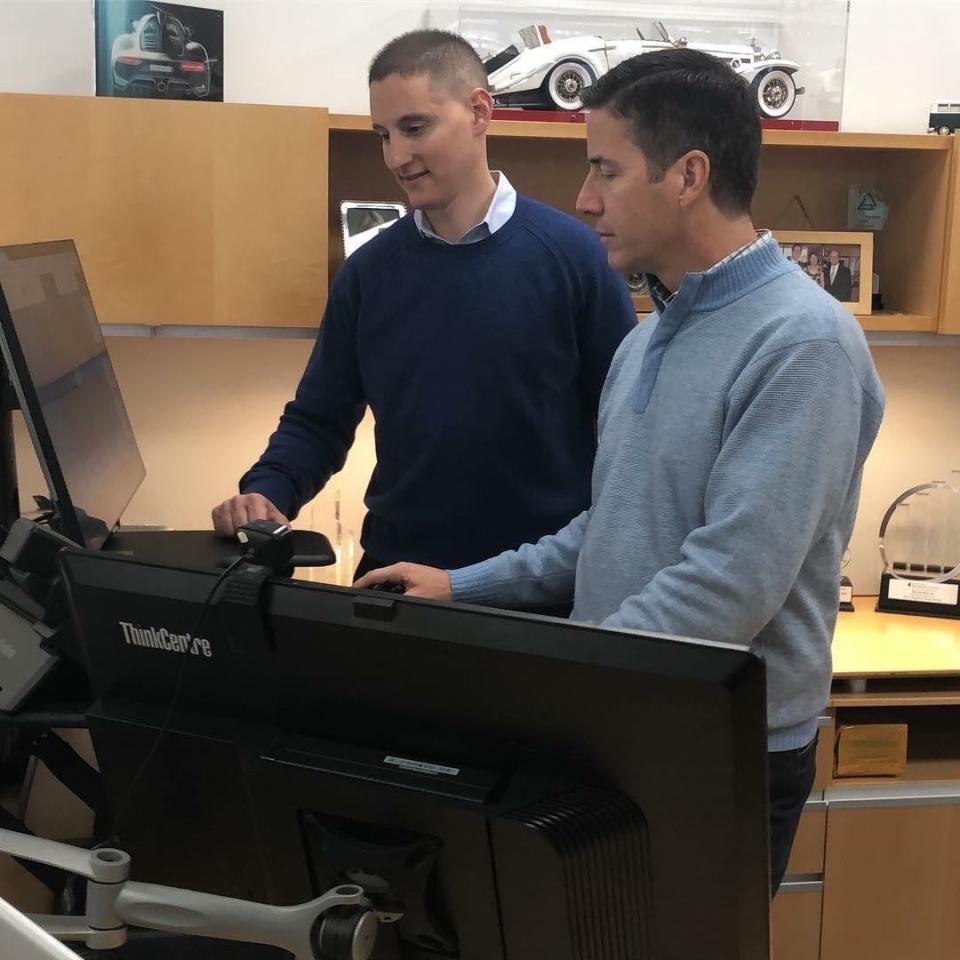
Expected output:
{"points": [[871, 644]]}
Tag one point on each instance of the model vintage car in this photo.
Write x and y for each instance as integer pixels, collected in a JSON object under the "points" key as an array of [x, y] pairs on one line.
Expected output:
{"points": [[553, 74], [159, 57]]}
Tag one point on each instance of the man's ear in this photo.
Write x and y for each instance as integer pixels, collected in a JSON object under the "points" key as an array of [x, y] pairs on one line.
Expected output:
{"points": [[481, 106], [693, 169]]}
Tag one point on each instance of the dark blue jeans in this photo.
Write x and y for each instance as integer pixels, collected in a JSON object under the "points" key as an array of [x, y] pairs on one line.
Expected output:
{"points": [[791, 780]]}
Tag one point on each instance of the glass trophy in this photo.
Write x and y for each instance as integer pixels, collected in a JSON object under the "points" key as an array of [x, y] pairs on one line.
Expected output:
{"points": [[920, 548]]}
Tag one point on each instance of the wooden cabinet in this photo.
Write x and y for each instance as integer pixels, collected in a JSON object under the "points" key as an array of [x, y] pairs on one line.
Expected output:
{"points": [[950, 294], [892, 874], [875, 869], [806, 857], [795, 921], [795, 914], [804, 178], [183, 213], [209, 213]]}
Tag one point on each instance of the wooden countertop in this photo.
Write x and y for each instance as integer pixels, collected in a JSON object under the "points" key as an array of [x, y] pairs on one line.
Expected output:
{"points": [[871, 644]]}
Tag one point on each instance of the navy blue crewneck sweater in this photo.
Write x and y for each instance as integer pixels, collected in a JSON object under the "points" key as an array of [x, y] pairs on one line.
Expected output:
{"points": [[483, 365]]}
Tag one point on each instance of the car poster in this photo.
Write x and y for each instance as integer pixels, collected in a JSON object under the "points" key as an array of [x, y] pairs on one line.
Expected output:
{"points": [[158, 50]]}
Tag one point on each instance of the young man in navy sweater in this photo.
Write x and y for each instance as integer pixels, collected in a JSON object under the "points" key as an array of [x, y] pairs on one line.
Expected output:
{"points": [[479, 330], [734, 423]]}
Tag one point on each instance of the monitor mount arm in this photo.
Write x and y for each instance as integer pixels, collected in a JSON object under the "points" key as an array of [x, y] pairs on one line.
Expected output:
{"points": [[340, 925]]}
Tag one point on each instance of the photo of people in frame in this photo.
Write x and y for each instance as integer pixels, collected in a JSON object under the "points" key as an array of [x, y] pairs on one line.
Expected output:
{"points": [[835, 267]]}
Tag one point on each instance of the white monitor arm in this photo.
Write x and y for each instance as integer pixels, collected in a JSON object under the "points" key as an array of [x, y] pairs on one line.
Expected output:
{"points": [[340, 925]]}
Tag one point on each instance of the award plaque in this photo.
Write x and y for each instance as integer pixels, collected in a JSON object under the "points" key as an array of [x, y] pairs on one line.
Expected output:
{"points": [[846, 586], [920, 548]]}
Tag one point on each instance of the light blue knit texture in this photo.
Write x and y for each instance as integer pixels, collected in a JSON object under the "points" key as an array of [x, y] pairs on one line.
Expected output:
{"points": [[733, 431]]}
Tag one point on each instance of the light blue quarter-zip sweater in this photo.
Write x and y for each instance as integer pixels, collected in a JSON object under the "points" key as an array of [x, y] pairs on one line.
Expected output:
{"points": [[734, 425]]}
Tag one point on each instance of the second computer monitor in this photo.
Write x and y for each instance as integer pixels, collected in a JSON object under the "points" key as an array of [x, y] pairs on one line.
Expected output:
{"points": [[58, 362]]}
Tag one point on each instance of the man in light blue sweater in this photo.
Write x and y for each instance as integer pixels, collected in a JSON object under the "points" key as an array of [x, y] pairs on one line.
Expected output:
{"points": [[734, 423]]}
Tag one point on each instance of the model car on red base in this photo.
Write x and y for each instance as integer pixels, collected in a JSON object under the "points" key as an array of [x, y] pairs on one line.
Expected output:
{"points": [[553, 74]]}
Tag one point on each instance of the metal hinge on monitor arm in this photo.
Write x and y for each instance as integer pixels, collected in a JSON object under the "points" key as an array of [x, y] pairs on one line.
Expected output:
{"points": [[340, 925]]}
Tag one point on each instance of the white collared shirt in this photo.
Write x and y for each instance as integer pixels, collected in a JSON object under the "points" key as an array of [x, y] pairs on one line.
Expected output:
{"points": [[834, 267], [501, 209]]}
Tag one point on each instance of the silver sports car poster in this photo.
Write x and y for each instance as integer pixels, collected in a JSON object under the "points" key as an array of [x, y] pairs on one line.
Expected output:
{"points": [[164, 50]]}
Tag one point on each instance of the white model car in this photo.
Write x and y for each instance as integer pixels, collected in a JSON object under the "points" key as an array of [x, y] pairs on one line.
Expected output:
{"points": [[553, 74]]}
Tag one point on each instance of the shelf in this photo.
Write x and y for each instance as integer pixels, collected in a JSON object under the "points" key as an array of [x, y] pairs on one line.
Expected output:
{"points": [[905, 698], [857, 141], [804, 176], [916, 771], [350, 121], [929, 771], [892, 321], [547, 130], [531, 129], [538, 129]]}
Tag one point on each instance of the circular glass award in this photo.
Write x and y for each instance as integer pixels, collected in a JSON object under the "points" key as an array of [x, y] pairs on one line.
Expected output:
{"points": [[920, 532]]}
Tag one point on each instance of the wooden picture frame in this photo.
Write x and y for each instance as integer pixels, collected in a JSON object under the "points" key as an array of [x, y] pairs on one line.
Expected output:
{"points": [[852, 285]]}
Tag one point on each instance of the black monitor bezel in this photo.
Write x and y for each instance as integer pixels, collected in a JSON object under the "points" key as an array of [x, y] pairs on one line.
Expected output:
{"points": [[129, 699], [65, 519]]}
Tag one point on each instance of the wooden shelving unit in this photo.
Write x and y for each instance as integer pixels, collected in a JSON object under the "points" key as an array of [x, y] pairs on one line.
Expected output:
{"points": [[892, 321], [251, 250], [804, 179], [548, 130]]}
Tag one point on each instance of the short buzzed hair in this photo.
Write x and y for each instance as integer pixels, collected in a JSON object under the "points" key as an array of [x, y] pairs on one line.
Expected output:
{"points": [[446, 58]]}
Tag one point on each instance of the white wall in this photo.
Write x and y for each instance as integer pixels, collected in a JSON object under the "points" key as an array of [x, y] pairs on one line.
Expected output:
{"points": [[309, 52], [200, 436], [46, 46], [900, 56], [918, 442]]}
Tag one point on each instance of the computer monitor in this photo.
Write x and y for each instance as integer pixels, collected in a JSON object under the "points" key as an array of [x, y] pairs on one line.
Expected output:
{"points": [[56, 357], [523, 787]]}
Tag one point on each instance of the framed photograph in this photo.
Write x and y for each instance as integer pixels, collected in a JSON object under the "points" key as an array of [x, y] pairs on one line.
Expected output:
{"points": [[839, 262]]}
